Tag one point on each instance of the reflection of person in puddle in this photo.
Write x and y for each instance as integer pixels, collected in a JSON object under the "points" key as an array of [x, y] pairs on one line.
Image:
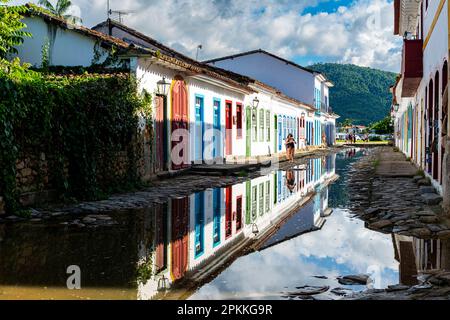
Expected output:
{"points": [[290, 180]]}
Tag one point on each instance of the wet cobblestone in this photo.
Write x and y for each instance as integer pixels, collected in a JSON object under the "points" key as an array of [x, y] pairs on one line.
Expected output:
{"points": [[395, 204], [159, 191]]}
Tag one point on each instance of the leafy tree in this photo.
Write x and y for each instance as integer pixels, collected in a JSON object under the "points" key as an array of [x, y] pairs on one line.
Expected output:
{"points": [[61, 9], [360, 93], [384, 126], [11, 29], [347, 123]]}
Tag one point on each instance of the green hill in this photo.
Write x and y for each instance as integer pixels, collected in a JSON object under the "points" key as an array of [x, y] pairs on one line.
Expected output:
{"points": [[360, 93]]}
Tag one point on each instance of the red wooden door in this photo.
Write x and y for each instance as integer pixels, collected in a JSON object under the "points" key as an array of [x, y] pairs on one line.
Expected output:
{"points": [[238, 214], [160, 238], [228, 212], [159, 133], [180, 237], [180, 120], [229, 127]]}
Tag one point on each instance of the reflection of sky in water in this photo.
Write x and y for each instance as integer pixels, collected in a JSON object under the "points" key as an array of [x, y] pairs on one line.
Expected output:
{"points": [[342, 247]]}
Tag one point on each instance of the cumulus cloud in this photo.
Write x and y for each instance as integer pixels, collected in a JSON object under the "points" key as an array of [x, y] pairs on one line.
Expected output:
{"points": [[360, 33], [342, 247]]}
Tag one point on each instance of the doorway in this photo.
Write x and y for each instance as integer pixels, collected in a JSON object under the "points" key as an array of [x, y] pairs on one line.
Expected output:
{"points": [[228, 127], [180, 121]]}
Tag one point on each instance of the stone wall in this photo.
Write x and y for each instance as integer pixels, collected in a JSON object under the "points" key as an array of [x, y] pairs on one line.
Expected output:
{"points": [[34, 175]]}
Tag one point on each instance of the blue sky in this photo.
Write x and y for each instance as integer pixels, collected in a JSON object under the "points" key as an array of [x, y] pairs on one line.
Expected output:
{"points": [[306, 31], [329, 6]]}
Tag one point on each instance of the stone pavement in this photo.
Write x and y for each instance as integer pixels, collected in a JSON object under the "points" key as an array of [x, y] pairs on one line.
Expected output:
{"points": [[159, 191], [431, 286], [394, 164], [385, 194]]}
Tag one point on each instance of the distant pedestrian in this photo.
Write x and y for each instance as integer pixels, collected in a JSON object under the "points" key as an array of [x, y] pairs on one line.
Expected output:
{"points": [[290, 147], [290, 180]]}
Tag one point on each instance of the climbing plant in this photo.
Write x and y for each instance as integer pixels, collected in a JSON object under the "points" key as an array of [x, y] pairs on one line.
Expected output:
{"points": [[11, 28], [81, 121]]}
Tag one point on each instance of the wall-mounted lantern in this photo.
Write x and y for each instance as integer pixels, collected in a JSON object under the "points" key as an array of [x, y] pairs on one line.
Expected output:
{"points": [[255, 229], [163, 87], [162, 283], [255, 103], [396, 106]]}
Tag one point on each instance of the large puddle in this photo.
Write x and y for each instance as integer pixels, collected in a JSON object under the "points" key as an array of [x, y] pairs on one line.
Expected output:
{"points": [[258, 240]]}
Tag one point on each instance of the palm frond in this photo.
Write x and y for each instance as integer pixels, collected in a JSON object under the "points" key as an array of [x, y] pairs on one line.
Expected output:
{"points": [[62, 6], [47, 5]]}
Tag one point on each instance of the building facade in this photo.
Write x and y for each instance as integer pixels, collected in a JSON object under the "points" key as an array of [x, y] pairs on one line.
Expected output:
{"points": [[202, 114], [420, 104], [295, 81], [197, 235]]}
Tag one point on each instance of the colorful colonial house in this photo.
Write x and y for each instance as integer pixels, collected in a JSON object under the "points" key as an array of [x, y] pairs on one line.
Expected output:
{"points": [[202, 113], [419, 109], [293, 80], [197, 236]]}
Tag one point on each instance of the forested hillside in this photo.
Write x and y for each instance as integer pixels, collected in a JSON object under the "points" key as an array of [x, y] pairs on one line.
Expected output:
{"points": [[360, 93]]}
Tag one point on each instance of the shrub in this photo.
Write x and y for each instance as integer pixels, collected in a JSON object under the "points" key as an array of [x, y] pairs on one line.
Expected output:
{"points": [[375, 139], [81, 121]]}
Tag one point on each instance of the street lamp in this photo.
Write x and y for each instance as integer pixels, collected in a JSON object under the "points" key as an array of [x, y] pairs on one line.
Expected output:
{"points": [[163, 87]]}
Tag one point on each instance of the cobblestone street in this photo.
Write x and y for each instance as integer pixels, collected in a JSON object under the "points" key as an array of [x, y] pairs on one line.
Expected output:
{"points": [[160, 191]]}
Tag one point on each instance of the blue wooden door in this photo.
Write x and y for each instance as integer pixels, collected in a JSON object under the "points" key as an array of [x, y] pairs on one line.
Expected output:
{"points": [[199, 128], [280, 133], [199, 224], [217, 214], [216, 126]]}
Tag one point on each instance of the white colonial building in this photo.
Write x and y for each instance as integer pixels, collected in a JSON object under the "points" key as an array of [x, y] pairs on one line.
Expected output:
{"points": [[293, 80], [201, 113], [420, 104]]}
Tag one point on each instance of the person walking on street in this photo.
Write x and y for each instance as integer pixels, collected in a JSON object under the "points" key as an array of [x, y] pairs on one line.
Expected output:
{"points": [[290, 147]]}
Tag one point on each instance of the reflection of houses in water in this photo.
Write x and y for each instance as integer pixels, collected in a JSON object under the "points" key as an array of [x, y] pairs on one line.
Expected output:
{"points": [[182, 244], [418, 256], [198, 235]]}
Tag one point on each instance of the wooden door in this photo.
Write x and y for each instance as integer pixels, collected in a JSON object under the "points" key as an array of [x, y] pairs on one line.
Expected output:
{"points": [[248, 121], [229, 127], [180, 120], [161, 237], [199, 128], [239, 214], [228, 212], [217, 215], [217, 130], [180, 237], [280, 134], [160, 135], [199, 224], [275, 134]]}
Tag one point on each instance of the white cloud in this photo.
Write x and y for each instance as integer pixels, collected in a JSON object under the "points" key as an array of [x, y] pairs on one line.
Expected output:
{"points": [[361, 33], [294, 263]]}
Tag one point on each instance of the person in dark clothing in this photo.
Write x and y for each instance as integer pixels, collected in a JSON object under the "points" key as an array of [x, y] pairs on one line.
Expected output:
{"points": [[290, 180], [290, 147]]}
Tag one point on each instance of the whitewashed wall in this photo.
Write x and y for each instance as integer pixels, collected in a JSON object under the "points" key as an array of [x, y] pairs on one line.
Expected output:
{"points": [[209, 93], [70, 48], [436, 51], [294, 82]]}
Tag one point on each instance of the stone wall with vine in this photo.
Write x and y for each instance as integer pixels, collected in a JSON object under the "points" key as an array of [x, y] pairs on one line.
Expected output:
{"points": [[75, 133]]}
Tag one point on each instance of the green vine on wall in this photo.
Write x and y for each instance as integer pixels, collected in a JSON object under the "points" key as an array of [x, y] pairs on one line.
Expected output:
{"points": [[80, 122]]}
